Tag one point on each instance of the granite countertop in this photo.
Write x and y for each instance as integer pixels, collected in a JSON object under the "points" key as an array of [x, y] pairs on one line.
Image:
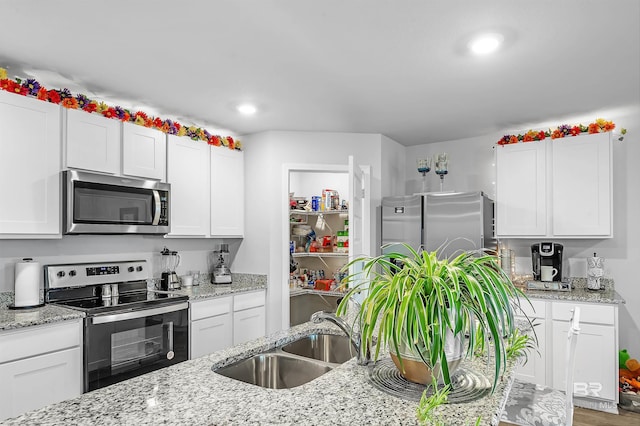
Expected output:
{"points": [[580, 293], [191, 393], [240, 283], [17, 318]]}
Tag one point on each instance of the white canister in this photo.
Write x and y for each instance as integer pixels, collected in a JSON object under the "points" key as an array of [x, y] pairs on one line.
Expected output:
{"points": [[595, 271], [27, 283]]}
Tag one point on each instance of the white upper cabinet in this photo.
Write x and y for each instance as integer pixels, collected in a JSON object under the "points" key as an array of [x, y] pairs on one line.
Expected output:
{"points": [[227, 192], [555, 188], [30, 164], [144, 152], [521, 204], [582, 185], [93, 142], [188, 174]]}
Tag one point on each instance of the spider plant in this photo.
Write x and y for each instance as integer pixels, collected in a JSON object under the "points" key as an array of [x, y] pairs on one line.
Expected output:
{"points": [[415, 299]]}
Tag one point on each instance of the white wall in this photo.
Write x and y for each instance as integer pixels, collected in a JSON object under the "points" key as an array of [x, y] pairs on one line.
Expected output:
{"points": [[263, 250], [195, 253], [471, 168]]}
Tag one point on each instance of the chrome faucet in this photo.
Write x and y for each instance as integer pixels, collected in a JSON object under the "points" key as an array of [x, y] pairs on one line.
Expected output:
{"points": [[354, 336]]}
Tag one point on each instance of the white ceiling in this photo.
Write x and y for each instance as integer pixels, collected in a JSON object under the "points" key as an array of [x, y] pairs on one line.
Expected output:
{"points": [[393, 67]]}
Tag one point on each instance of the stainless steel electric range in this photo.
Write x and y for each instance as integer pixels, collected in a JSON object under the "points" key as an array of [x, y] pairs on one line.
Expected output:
{"points": [[128, 330]]}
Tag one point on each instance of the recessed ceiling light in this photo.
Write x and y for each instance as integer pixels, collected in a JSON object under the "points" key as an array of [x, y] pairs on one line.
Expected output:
{"points": [[247, 109], [486, 43]]}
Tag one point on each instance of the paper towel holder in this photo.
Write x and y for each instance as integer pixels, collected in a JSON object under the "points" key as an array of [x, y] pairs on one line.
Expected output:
{"points": [[25, 307]]}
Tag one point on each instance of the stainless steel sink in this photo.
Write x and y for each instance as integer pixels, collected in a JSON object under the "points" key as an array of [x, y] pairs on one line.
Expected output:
{"points": [[274, 370], [323, 347]]}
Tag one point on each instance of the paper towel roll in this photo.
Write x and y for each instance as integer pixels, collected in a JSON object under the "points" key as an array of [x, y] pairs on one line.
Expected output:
{"points": [[27, 283]]}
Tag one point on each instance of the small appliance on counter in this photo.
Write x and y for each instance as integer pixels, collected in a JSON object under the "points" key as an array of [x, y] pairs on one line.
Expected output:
{"points": [[169, 279], [27, 284], [221, 273], [595, 271], [546, 259]]}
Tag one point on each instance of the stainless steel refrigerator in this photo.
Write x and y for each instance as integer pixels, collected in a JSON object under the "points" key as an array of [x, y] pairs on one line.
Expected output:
{"points": [[447, 222]]}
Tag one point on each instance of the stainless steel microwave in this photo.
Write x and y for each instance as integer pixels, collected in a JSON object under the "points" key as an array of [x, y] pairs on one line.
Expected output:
{"points": [[103, 204]]}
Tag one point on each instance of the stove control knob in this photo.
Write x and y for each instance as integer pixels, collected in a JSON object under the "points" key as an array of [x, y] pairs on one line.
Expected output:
{"points": [[72, 273], [130, 269], [60, 274], [139, 269]]}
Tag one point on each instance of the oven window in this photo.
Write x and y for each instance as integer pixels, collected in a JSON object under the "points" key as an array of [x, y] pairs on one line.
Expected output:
{"points": [[97, 203], [133, 346]]}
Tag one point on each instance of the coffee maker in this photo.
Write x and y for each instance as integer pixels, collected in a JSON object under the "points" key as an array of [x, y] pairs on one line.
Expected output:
{"points": [[221, 273], [546, 260]]}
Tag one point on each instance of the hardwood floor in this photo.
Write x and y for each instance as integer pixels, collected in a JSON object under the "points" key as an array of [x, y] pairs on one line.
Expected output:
{"points": [[585, 417]]}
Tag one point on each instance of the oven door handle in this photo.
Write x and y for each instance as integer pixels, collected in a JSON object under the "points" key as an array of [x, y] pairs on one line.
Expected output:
{"points": [[104, 319]]}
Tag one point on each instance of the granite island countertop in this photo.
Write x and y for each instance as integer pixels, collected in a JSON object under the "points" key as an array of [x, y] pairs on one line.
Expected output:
{"points": [[191, 393]]}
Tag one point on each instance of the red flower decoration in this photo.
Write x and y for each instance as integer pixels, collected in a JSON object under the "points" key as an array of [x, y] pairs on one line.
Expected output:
{"points": [[214, 140], [43, 95], [90, 107], [177, 125], [5, 84], [557, 134], [109, 112], [575, 131], [157, 123], [54, 96], [527, 138], [71, 103], [126, 116], [540, 136], [594, 128], [230, 142]]}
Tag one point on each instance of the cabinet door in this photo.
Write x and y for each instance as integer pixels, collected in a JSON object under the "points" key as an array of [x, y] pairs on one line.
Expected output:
{"points": [[248, 324], [188, 174], [582, 186], [521, 207], [211, 334], [595, 373], [534, 371], [227, 192], [38, 381], [92, 142], [144, 152], [30, 164]]}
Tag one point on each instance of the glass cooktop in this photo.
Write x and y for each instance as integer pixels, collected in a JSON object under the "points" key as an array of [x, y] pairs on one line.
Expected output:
{"points": [[128, 301]]}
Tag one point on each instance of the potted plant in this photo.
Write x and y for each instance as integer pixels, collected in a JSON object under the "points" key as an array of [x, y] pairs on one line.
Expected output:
{"points": [[425, 309]]}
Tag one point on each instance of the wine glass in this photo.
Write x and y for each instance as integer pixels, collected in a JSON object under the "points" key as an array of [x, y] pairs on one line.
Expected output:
{"points": [[442, 161], [424, 166]]}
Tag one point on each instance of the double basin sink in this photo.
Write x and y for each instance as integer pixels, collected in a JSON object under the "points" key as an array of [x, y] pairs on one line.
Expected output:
{"points": [[293, 364]]}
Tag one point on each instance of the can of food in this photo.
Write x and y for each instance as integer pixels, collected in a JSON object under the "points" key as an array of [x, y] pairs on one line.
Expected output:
{"points": [[315, 203]]}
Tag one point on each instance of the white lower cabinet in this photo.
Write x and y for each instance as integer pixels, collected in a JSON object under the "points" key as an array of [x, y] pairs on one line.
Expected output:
{"points": [[211, 326], [596, 364], [39, 365], [222, 322], [534, 370], [248, 316]]}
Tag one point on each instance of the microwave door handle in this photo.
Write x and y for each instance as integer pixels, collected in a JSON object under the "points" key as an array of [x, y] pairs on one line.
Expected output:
{"points": [[156, 211]]}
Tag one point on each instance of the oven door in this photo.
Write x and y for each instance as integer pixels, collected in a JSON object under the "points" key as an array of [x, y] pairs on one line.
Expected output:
{"points": [[123, 345]]}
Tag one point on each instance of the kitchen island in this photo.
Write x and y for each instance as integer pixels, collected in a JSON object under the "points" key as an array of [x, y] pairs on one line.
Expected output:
{"points": [[191, 393]]}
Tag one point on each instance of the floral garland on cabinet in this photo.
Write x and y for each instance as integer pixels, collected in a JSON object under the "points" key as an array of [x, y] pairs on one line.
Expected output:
{"points": [[31, 88], [599, 126]]}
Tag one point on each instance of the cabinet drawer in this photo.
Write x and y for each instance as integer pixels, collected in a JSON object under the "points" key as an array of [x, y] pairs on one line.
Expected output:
{"points": [[248, 300], [210, 307], [32, 341], [537, 309], [596, 314]]}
